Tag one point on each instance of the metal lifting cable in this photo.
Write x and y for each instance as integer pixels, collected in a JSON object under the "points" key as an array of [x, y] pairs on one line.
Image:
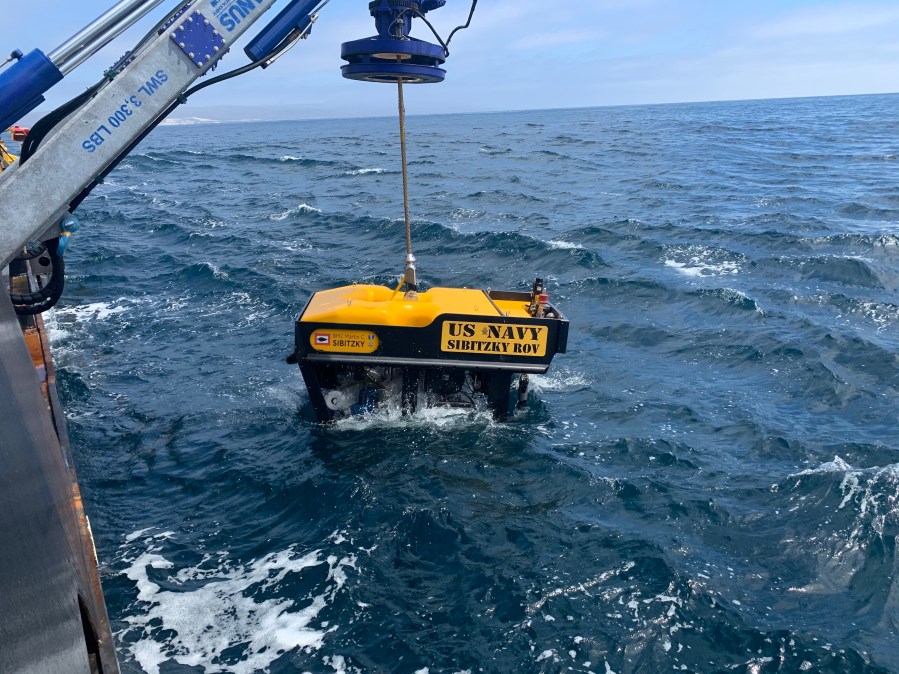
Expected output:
{"points": [[402, 108], [409, 276]]}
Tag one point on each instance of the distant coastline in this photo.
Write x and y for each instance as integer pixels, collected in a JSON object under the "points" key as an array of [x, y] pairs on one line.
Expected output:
{"points": [[247, 114]]}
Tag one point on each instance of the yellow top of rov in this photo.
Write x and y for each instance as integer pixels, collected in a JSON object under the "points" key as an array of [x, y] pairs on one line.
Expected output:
{"points": [[378, 305]]}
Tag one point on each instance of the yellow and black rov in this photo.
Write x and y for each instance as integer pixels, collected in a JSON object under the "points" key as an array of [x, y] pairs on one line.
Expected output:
{"points": [[363, 348]]}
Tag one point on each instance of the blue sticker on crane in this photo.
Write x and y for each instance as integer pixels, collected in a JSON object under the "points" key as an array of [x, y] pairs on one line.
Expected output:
{"points": [[199, 39]]}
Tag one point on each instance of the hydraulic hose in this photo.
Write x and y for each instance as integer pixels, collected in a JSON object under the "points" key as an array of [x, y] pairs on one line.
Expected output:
{"points": [[28, 304]]}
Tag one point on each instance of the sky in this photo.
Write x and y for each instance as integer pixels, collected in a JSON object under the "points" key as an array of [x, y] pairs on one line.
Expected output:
{"points": [[533, 54]]}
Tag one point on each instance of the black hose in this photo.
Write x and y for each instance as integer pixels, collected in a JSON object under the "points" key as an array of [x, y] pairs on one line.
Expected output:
{"points": [[41, 128], [445, 45], [474, 3], [28, 304]]}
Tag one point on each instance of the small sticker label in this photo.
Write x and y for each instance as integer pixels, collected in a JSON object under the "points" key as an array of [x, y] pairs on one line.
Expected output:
{"points": [[344, 341], [497, 338]]}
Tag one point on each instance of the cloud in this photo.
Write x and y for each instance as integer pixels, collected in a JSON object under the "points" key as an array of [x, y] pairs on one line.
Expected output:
{"points": [[533, 54], [556, 38], [829, 21]]}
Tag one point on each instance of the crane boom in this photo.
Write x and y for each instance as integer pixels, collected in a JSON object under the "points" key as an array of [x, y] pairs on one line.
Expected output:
{"points": [[35, 195]]}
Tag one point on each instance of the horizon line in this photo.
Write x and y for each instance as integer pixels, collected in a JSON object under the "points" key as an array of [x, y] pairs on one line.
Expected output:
{"points": [[203, 120]]}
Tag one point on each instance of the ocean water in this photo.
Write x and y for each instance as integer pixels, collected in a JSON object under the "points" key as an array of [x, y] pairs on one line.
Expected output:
{"points": [[708, 481]]}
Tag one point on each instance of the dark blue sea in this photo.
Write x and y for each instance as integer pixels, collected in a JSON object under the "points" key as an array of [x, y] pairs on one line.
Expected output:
{"points": [[708, 481]]}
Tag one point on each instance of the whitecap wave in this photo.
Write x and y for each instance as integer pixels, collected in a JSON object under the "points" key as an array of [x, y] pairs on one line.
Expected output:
{"points": [[216, 271], [735, 296], [435, 417], [868, 492], [884, 316], [193, 615], [835, 466], [364, 171], [559, 379], [55, 332], [62, 316], [467, 214], [862, 520], [700, 261], [565, 245], [296, 210]]}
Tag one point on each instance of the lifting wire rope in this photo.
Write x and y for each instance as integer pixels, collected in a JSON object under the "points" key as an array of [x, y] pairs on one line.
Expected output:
{"points": [[409, 272], [409, 277]]}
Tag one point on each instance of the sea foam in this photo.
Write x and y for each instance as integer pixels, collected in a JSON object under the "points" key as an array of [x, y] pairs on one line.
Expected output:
{"points": [[222, 615]]}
